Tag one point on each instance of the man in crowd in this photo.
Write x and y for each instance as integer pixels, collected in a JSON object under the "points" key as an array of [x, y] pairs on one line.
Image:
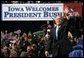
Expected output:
{"points": [[58, 43]]}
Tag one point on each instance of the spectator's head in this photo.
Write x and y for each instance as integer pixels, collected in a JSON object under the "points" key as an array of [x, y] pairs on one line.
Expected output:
{"points": [[4, 50], [6, 31], [29, 35], [42, 40], [13, 53], [33, 47], [25, 36], [10, 35], [2, 34], [29, 49], [58, 20]]}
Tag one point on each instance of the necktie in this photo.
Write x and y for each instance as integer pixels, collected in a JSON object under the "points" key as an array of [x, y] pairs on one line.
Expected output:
{"points": [[57, 32]]}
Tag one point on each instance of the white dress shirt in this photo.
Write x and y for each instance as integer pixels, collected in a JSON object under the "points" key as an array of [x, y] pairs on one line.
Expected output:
{"points": [[57, 28]]}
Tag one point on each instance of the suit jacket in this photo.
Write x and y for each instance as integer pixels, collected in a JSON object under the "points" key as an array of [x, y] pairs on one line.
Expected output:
{"points": [[61, 46]]}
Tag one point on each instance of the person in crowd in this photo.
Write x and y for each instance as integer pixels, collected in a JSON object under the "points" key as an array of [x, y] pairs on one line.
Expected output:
{"points": [[77, 50], [13, 53], [24, 42], [34, 49], [75, 21], [29, 37], [28, 52], [59, 44], [4, 51]]}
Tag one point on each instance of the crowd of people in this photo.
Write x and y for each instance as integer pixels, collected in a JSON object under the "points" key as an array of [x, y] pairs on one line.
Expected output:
{"points": [[13, 44], [21, 44]]}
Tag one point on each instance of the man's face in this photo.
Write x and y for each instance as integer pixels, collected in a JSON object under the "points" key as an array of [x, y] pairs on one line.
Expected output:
{"points": [[58, 20], [28, 48]]}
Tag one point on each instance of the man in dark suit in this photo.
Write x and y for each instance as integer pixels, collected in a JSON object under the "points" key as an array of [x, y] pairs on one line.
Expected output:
{"points": [[58, 43]]}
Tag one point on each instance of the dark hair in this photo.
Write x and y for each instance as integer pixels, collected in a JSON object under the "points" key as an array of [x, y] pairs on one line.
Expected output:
{"points": [[13, 53]]}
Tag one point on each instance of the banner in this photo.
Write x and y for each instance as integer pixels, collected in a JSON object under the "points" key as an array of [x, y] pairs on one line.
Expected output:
{"points": [[24, 12]]}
